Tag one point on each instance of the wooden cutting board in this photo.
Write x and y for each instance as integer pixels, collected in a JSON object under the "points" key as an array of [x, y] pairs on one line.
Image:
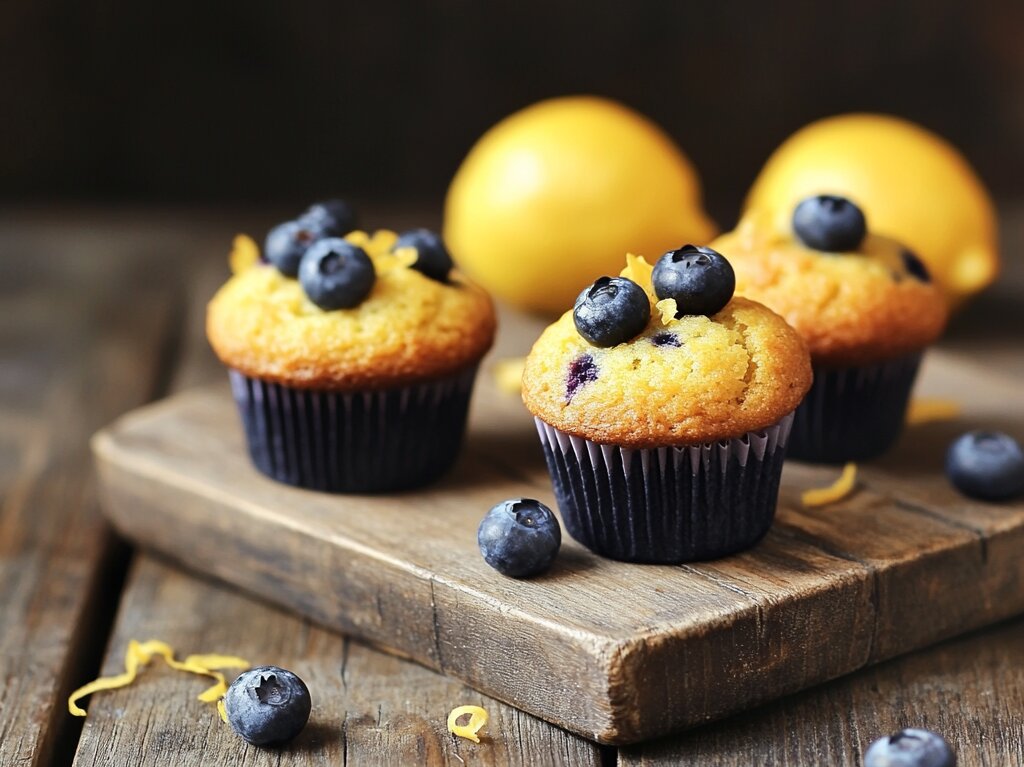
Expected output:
{"points": [[616, 652]]}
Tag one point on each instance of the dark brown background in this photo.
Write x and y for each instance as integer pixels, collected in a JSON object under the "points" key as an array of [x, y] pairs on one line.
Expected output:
{"points": [[271, 101]]}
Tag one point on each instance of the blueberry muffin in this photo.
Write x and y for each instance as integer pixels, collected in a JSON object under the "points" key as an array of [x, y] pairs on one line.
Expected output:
{"points": [[865, 305], [352, 365], [663, 406]]}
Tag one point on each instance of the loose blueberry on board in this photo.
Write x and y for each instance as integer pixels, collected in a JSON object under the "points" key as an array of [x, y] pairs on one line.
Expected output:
{"points": [[699, 279], [432, 257], [611, 311], [519, 537], [910, 748], [915, 267], [267, 705], [336, 274], [335, 217], [985, 465], [287, 243], [830, 223]]}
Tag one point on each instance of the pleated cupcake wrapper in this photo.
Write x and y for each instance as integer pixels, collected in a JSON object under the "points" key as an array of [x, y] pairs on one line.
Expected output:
{"points": [[854, 413], [363, 441], [667, 505]]}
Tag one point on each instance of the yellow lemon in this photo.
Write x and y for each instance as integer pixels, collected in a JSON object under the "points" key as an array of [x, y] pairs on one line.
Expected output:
{"points": [[553, 196], [912, 185]]}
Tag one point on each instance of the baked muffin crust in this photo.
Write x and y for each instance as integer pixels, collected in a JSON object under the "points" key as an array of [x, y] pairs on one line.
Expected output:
{"points": [[853, 308], [680, 381], [409, 328]]}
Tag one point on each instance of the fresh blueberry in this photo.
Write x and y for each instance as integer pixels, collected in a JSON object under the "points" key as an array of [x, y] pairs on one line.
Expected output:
{"points": [[267, 705], [915, 267], [336, 274], [986, 465], [582, 370], [287, 243], [828, 222], [432, 257], [910, 748], [699, 279], [611, 311], [519, 537], [335, 217]]}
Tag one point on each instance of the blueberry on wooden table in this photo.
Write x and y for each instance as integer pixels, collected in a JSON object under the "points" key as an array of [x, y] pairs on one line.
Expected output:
{"points": [[830, 223], [986, 465], [910, 748], [432, 257], [287, 243], [700, 280], [336, 274], [267, 705], [611, 311], [519, 537], [335, 217]]}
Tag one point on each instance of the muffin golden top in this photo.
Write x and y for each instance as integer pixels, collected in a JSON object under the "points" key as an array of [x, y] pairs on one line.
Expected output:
{"points": [[852, 308], [680, 381], [409, 327]]}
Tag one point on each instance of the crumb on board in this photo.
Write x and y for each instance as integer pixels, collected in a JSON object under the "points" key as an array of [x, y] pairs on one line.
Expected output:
{"points": [[477, 720], [139, 654], [842, 487], [929, 409]]}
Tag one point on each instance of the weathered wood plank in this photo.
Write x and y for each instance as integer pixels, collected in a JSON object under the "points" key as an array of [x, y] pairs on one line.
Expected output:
{"points": [[368, 708], [60, 272], [828, 591], [970, 689], [81, 339]]}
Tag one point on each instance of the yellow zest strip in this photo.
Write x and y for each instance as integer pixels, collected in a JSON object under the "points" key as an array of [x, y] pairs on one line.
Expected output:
{"points": [[244, 254], [139, 654], [842, 487], [358, 237], [667, 307], [477, 720], [222, 710], [508, 374], [639, 271], [404, 257], [928, 409]]}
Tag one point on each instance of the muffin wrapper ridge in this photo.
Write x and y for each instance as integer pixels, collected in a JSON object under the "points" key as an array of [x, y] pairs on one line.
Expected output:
{"points": [[854, 413], [363, 441], [667, 505]]}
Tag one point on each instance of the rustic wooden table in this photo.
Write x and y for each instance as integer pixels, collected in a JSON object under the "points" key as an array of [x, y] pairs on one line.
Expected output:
{"points": [[101, 311]]}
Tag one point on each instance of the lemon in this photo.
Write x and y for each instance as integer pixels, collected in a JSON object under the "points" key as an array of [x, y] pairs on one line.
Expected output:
{"points": [[553, 196], [912, 185]]}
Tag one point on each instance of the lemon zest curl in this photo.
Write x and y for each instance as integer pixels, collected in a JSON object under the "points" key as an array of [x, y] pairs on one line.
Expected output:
{"points": [[842, 487], [477, 720], [139, 654]]}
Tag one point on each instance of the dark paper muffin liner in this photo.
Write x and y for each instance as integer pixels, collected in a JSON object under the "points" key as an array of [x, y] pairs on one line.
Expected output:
{"points": [[852, 414], [667, 505], [346, 442]]}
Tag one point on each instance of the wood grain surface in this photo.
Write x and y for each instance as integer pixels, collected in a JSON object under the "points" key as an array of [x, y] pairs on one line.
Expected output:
{"points": [[95, 321], [969, 689], [82, 337], [829, 591], [368, 708]]}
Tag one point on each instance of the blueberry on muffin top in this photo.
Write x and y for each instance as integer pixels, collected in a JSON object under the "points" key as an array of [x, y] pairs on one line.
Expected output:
{"points": [[856, 297], [679, 378]]}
